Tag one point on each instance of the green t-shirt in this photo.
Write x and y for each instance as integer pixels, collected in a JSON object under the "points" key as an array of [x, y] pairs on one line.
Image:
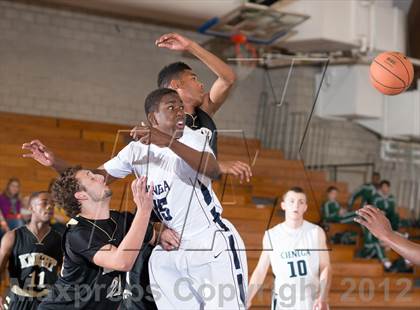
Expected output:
{"points": [[331, 211]]}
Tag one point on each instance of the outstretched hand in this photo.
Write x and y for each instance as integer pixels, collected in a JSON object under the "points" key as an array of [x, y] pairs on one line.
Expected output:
{"points": [[150, 135], [173, 41], [374, 220], [39, 152], [239, 169]]}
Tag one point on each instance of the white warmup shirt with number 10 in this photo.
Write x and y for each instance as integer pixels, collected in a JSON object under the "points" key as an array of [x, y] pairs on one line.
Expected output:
{"points": [[294, 257]]}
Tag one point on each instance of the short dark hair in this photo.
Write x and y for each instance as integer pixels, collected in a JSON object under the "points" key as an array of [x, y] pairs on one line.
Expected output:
{"points": [[171, 72], [35, 195], [64, 188], [295, 189], [376, 174], [153, 99], [331, 188], [385, 182]]}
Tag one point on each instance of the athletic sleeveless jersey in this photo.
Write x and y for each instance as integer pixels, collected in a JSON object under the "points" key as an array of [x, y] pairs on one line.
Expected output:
{"points": [[83, 284], [204, 123], [33, 264], [295, 266], [183, 199]]}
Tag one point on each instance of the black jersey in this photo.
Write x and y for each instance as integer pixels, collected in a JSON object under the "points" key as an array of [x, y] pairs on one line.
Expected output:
{"points": [[33, 268], [33, 263], [202, 120], [82, 284], [137, 293]]}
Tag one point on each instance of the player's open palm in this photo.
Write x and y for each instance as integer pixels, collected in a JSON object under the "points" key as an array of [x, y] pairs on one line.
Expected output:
{"points": [[39, 152], [142, 198], [239, 169], [374, 220], [173, 41]]}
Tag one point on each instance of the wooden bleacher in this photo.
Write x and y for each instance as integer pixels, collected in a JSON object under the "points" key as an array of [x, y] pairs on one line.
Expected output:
{"points": [[357, 284]]}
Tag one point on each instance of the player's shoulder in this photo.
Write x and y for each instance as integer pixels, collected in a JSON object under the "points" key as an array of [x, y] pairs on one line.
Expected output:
{"points": [[75, 224], [78, 232], [311, 227], [9, 238], [19, 233], [55, 234], [275, 230], [78, 226], [136, 146], [194, 138], [120, 216], [190, 134]]}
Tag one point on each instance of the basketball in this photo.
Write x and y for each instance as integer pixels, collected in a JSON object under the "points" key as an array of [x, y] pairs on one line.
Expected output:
{"points": [[249, 129], [391, 73]]}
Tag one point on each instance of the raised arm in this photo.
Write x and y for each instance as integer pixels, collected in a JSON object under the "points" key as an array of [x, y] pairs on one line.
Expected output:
{"points": [[123, 257], [225, 75], [377, 223], [46, 157], [203, 162], [324, 273], [238, 169]]}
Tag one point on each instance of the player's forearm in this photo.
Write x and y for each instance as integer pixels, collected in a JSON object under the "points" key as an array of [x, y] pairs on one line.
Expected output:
{"points": [[407, 249], [203, 162], [214, 63], [130, 246], [101, 170], [325, 280], [3, 264], [255, 284], [60, 165]]}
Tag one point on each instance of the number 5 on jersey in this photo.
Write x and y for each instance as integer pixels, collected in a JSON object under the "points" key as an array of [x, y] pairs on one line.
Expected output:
{"points": [[164, 213]]}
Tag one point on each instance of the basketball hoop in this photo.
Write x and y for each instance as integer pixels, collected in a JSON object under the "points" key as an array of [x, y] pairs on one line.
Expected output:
{"points": [[246, 56]]}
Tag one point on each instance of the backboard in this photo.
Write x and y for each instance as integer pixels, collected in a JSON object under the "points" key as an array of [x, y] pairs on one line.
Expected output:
{"points": [[259, 23]]}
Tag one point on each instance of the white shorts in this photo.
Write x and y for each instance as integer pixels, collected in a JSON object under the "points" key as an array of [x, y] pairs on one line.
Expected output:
{"points": [[207, 272], [295, 303]]}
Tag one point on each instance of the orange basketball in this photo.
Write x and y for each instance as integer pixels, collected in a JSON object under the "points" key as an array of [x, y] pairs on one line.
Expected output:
{"points": [[391, 73]]}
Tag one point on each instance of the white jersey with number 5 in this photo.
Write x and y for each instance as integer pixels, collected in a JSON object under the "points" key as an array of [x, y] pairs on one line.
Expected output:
{"points": [[183, 199], [294, 257]]}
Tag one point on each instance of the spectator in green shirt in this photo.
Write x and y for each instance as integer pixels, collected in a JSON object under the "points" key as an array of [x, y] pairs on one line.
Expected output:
{"points": [[332, 212], [366, 192], [385, 201]]}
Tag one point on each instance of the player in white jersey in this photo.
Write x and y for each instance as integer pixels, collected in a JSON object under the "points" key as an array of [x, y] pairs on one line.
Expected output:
{"points": [[298, 254], [207, 271]]}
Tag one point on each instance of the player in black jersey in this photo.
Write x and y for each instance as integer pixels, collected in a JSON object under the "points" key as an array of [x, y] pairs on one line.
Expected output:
{"points": [[200, 107], [96, 241], [34, 254]]}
